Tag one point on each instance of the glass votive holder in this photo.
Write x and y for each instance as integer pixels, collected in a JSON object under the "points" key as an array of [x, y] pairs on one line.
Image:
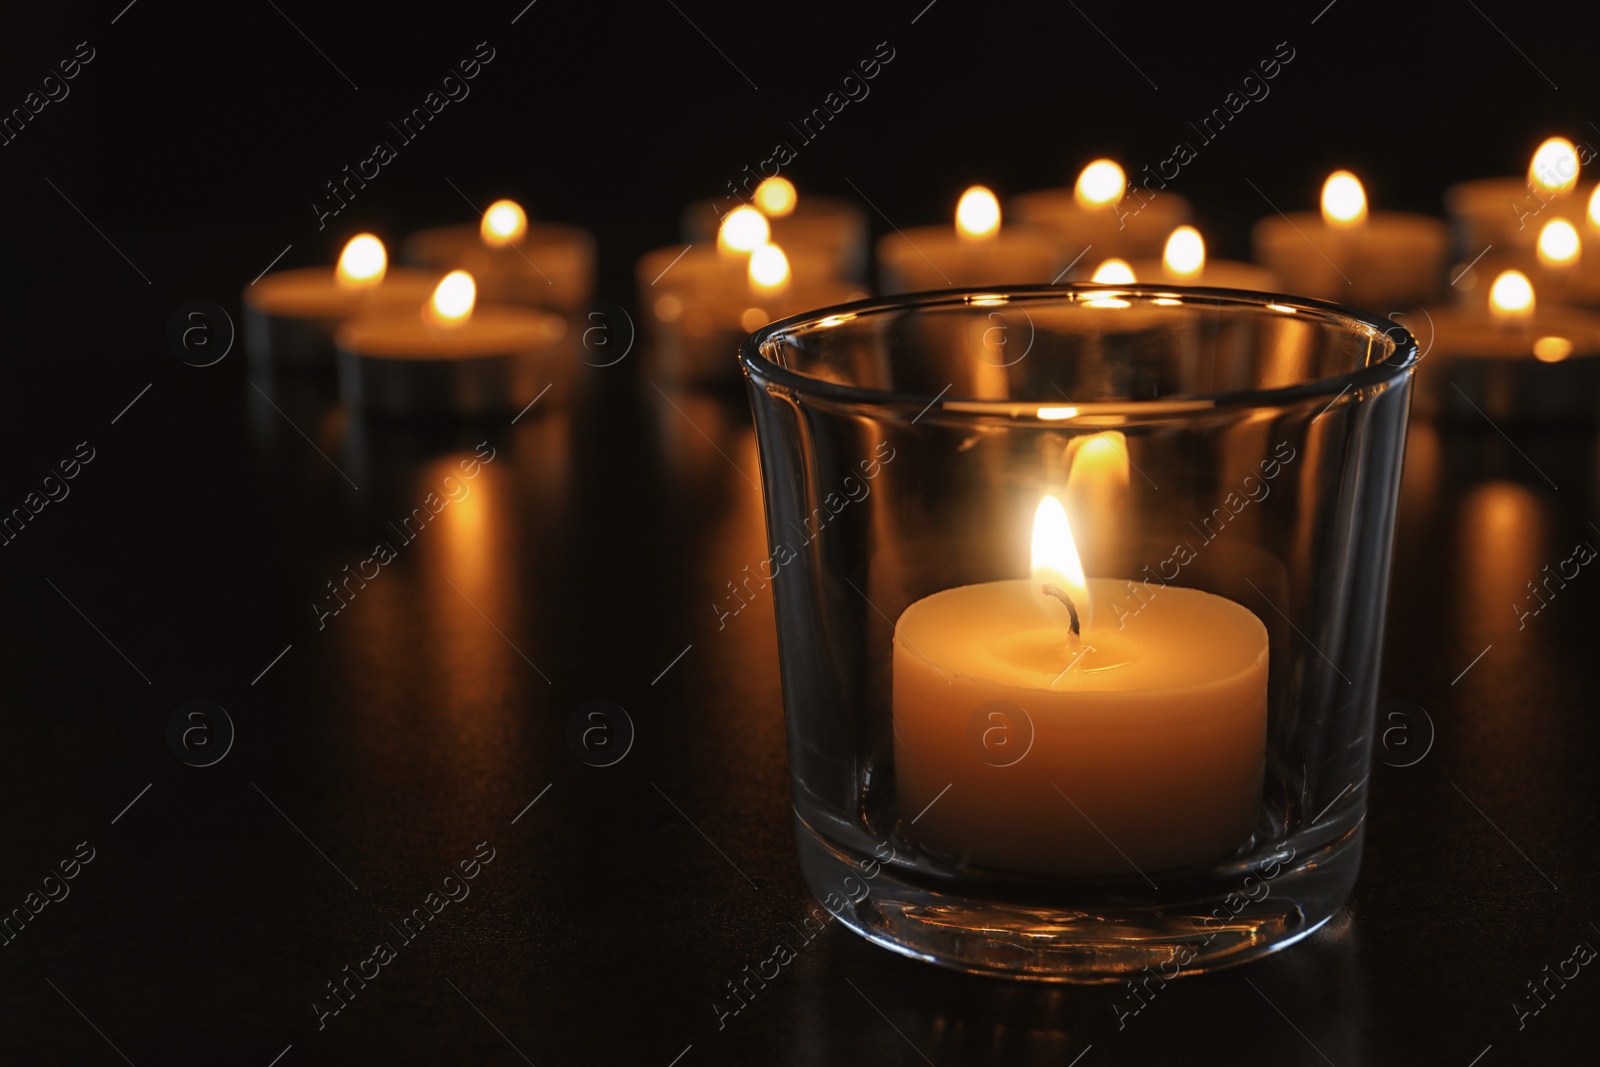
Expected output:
{"points": [[547, 265], [1080, 594]]}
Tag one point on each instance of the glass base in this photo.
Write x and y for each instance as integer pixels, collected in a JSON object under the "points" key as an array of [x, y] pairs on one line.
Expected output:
{"points": [[1088, 943]]}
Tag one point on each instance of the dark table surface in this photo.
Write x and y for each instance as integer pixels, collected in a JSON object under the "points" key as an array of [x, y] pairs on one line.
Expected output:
{"points": [[439, 716]]}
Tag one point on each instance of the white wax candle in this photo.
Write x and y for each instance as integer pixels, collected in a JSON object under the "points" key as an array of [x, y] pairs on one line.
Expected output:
{"points": [[1146, 744]]}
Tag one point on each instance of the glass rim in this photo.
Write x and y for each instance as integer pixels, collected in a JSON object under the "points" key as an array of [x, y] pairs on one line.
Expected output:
{"points": [[1402, 358]]}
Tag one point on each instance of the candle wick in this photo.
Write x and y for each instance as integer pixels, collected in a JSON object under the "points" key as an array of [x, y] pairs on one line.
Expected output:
{"points": [[1052, 589]]}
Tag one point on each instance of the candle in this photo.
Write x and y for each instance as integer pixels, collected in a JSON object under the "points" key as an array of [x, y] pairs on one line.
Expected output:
{"points": [[699, 320], [1382, 260], [513, 260], [974, 252], [1509, 358], [1557, 267], [290, 316], [1104, 213], [1137, 737], [679, 279], [454, 358], [830, 231], [1184, 262], [1507, 213]]}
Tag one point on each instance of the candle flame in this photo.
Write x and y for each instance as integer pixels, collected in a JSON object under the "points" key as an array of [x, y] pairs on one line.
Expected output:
{"points": [[453, 297], [503, 224], [1511, 296], [1056, 563], [1113, 272], [1558, 244], [743, 230], [1555, 166], [1100, 185], [1344, 201], [1185, 254], [362, 263], [1594, 208], [769, 269], [776, 197], [1551, 349], [978, 213]]}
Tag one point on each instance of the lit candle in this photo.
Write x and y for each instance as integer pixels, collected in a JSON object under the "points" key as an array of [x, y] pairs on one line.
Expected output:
{"points": [[1508, 213], [1556, 265], [1138, 740], [976, 251], [514, 261], [1510, 357], [1184, 262], [290, 315], [1383, 260], [817, 229], [455, 357], [1104, 214], [715, 298]]}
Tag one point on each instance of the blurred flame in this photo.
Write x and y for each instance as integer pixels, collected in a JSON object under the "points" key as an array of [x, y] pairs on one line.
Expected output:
{"points": [[362, 263], [1185, 254], [1100, 185], [1558, 244], [769, 269], [1344, 201], [451, 304], [743, 230], [1554, 167], [503, 224], [1511, 296], [776, 197], [1114, 272], [978, 213]]}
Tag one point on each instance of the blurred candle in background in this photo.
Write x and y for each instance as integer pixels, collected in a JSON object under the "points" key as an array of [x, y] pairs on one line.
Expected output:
{"points": [[976, 251], [514, 261], [1104, 215], [1507, 213], [290, 316], [1378, 261]]}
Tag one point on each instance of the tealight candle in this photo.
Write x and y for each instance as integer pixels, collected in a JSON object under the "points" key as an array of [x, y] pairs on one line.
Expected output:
{"points": [[1154, 731], [1381, 260], [828, 231], [975, 252], [698, 324], [1183, 262], [1104, 213], [1508, 213], [454, 358], [1509, 358], [1557, 267], [514, 261], [290, 316], [698, 271]]}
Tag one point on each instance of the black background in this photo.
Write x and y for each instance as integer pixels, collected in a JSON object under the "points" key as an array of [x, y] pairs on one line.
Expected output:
{"points": [[196, 142]]}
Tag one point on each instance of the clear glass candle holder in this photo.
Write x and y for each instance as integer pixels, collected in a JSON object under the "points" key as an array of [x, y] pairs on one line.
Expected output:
{"points": [[1080, 596]]}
